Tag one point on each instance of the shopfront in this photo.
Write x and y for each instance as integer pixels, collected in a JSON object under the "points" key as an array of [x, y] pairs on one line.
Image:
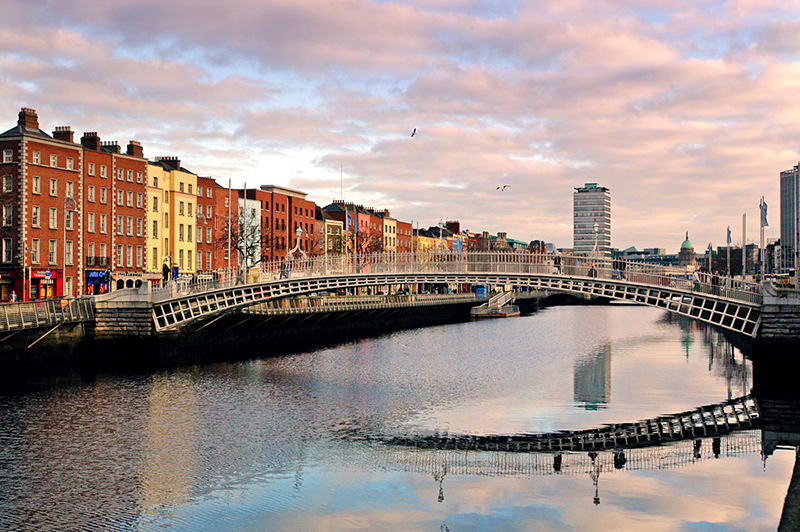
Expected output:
{"points": [[45, 283], [11, 282], [96, 282]]}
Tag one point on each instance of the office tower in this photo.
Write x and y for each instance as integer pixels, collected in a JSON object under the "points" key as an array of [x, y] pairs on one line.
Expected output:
{"points": [[591, 229]]}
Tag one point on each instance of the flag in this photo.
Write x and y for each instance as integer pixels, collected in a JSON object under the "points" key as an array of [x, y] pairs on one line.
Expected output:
{"points": [[764, 213], [729, 235]]}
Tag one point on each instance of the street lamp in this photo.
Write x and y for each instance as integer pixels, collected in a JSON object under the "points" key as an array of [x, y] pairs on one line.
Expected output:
{"points": [[299, 232]]}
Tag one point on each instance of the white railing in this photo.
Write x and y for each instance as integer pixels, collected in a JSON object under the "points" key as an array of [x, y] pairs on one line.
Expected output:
{"points": [[44, 313], [474, 264]]}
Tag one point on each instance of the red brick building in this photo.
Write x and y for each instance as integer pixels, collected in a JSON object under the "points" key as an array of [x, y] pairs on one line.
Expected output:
{"points": [[206, 223], [73, 214]]}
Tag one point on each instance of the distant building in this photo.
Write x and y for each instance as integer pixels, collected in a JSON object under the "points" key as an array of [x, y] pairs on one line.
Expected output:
{"points": [[591, 212], [789, 206], [686, 256]]}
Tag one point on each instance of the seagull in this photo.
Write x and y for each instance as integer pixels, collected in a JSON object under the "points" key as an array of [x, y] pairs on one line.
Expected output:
{"points": [[414, 132], [501, 189]]}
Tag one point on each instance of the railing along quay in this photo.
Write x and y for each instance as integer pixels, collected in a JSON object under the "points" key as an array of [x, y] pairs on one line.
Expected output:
{"points": [[45, 313], [310, 305]]}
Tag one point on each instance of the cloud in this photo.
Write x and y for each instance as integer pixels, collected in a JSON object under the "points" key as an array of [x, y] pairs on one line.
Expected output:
{"points": [[693, 103]]}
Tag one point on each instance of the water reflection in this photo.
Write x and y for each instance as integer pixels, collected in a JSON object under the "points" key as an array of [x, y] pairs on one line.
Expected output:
{"points": [[311, 441]]}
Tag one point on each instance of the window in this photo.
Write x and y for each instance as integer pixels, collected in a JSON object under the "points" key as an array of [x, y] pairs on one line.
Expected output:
{"points": [[35, 251], [139, 200], [120, 223], [208, 260], [190, 188], [53, 159], [129, 226], [103, 195], [53, 187], [209, 212], [52, 252], [166, 221], [180, 208], [90, 222], [53, 218], [199, 191], [199, 235], [120, 255], [130, 199], [130, 176], [90, 254], [68, 252], [155, 229], [120, 174], [155, 182], [155, 258], [155, 204], [37, 157], [189, 233], [180, 232], [8, 251], [139, 256], [90, 170], [103, 171], [8, 183], [68, 221], [180, 187], [180, 259], [139, 178], [189, 258], [8, 156], [69, 191], [129, 259], [104, 252], [120, 197], [190, 210], [199, 265], [139, 226], [8, 215], [103, 223], [36, 185], [90, 193], [70, 163], [227, 202], [208, 235], [208, 192], [35, 216], [68, 286]]}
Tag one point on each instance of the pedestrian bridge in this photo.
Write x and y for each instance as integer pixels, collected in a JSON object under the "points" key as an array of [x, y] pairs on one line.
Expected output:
{"points": [[732, 305]]}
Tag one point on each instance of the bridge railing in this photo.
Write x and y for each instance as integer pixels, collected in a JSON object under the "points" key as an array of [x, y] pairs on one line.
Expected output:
{"points": [[44, 313], [468, 263]]}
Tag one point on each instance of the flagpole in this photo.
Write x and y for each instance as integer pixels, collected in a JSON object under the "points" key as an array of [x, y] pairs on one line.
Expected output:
{"points": [[761, 224], [729, 253]]}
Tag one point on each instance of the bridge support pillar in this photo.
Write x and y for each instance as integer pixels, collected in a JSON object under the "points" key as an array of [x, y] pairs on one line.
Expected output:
{"points": [[780, 316], [121, 320]]}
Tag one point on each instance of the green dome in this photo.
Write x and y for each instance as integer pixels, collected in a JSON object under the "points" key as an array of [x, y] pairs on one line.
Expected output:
{"points": [[687, 243]]}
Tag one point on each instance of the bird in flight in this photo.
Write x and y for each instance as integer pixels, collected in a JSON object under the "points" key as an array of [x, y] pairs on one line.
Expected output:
{"points": [[414, 132], [501, 189]]}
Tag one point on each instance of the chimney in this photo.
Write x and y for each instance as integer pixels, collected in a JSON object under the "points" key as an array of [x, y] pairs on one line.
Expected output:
{"points": [[28, 118], [63, 133], [172, 162], [90, 140], [112, 146], [135, 149]]}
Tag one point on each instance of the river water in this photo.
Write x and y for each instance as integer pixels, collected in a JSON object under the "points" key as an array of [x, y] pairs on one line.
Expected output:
{"points": [[302, 442]]}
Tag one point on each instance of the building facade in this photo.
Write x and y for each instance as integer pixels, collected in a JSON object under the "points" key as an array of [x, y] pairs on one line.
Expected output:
{"points": [[591, 228], [790, 181]]}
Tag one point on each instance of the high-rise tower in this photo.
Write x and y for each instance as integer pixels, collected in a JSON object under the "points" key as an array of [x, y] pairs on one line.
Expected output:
{"points": [[591, 214]]}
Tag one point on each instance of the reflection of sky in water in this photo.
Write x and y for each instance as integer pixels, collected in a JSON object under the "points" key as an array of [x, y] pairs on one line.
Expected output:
{"points": [[257, 445]]}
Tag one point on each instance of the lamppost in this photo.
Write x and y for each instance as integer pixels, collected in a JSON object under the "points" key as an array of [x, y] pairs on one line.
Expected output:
{"points": [[69, 207], [299, 232]]}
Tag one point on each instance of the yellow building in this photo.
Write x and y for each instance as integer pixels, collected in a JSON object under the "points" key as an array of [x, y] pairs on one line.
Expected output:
{"points": [[171, 195]]}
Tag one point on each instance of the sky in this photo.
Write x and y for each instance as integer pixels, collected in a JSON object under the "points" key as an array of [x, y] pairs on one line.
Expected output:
{"points": [[687, 110]]}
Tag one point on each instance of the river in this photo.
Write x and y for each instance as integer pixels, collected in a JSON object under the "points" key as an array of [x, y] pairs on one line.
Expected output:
{"points": [[303, 442]]}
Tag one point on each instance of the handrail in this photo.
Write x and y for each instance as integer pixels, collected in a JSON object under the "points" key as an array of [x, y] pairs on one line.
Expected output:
{"points": [[44, 313]]}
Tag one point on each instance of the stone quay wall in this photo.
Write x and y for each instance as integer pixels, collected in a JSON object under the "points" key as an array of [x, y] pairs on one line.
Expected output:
{"points": [[780, 316]]}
